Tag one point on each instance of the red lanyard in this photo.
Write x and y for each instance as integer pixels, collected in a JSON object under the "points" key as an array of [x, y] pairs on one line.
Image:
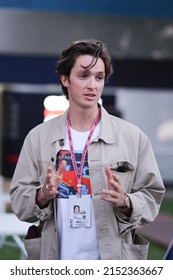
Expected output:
{"points": [[78, 172]]}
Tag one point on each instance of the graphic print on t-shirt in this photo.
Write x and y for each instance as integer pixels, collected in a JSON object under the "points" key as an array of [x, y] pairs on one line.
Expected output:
{"points": [[68, 185]]}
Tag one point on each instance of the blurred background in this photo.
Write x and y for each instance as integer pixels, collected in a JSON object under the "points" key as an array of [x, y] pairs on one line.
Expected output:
{"points": [[139, 36]]}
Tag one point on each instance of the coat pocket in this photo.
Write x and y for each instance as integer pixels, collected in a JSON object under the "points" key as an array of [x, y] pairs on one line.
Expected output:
{"points": [[138, 250], [33, 248], [32, 242], [126, 172]]}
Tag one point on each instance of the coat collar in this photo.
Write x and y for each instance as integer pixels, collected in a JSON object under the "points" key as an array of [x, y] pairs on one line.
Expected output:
{"points": [[108, 132], [109, 127], [59, 126]]}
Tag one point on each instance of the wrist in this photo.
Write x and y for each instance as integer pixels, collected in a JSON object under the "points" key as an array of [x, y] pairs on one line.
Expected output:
{"points": [[44, 195], [126, 203]]}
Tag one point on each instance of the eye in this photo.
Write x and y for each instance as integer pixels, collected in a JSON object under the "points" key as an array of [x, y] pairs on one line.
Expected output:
{"points": [[83, 75], [100, 77]]}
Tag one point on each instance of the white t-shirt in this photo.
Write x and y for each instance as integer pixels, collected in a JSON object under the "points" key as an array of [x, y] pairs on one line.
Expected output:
{"points": [[75, 243]]}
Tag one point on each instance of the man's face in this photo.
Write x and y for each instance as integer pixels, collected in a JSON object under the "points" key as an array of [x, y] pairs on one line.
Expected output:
{"points": [[76, 209], [85, 86]]}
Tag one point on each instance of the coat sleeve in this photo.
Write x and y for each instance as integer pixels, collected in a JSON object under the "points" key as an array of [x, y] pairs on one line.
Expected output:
{"points": [[25, 183], [147, 191]]}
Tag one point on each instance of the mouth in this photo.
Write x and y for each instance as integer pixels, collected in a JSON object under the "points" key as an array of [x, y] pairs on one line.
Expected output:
{"points": [[90, 95]]}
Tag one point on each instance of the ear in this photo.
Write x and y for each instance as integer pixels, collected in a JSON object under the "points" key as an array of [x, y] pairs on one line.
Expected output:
{"points": [[64, 80]]}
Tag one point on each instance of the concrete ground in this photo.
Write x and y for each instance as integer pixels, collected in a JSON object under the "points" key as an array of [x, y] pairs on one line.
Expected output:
{"points": [[161, 230]]}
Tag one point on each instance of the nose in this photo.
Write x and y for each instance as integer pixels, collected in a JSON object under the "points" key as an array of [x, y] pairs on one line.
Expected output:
{"points": [[92, 83]]}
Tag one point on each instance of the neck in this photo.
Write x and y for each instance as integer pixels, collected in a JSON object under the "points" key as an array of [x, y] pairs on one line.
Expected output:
{"points": [[83, 120]]}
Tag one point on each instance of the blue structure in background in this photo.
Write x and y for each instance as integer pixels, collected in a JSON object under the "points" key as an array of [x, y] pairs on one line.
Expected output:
{"points": [[169, 252], [127, 8]]}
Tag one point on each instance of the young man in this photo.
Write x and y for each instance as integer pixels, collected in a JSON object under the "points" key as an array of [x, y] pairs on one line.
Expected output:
{"points": [[89, 158]]}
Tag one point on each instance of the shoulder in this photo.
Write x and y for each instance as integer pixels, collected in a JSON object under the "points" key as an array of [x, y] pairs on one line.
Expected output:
{"points": [[45, 126], [114, 128], [129, 129], [120, 124], [124, 124], [51, 130]]}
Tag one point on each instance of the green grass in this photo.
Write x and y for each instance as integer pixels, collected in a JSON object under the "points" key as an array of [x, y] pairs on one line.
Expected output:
{"points": [[167, 206], [8, 252], [156, 252]]}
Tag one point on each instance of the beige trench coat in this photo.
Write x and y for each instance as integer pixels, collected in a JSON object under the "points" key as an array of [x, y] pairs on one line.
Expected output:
{"points": [[119, 143]]}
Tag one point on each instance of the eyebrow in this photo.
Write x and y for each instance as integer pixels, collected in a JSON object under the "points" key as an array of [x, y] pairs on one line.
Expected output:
{"points": [[85, 70]]}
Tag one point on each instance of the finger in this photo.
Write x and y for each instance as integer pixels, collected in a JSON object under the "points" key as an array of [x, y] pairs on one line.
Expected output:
{"points": [[49, 175], [114, 197], [114, 186], [61, 168], [59, 173], [48, 187], [107, 196], [110, 193], [108, 172], [116, 177], [109, 175]]}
